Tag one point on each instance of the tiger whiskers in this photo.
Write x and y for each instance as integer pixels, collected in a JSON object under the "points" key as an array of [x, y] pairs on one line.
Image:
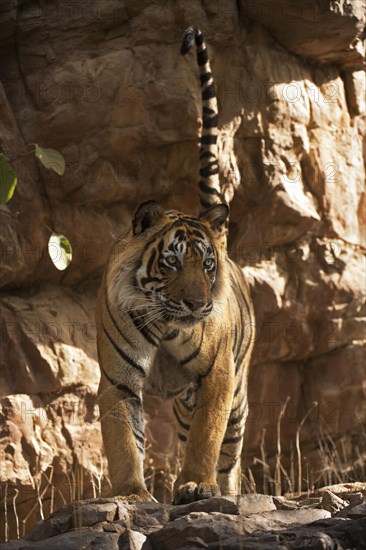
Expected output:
{"points": [[155, 316]]}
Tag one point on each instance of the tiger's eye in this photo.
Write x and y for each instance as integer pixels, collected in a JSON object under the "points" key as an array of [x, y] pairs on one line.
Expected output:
{"points": [[171, 260], [209, 263]]}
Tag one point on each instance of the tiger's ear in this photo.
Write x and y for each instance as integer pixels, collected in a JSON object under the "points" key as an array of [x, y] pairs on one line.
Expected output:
{"points": [[216, 216], [147, 215]]}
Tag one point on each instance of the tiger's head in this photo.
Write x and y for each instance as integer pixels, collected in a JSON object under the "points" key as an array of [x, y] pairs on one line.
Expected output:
{"points": [[180, 268]]}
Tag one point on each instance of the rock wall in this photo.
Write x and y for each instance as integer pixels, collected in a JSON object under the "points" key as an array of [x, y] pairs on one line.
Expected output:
{"points": [[105, 85]]}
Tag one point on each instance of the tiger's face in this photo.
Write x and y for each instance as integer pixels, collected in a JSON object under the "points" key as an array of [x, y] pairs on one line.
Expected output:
{"points": [[179, 268]]}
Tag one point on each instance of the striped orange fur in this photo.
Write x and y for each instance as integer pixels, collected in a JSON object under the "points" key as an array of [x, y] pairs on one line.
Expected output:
{"points": [[175, 319]]}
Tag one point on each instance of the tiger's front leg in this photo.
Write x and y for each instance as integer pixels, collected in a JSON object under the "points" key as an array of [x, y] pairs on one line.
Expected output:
{"points": [[123, 436], [197, 479]]}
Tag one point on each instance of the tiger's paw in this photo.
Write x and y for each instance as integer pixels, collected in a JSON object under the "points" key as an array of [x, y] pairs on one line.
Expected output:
{"points": [[192, 491]]}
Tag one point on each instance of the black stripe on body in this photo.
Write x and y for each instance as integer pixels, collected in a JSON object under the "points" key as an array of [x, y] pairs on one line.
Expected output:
{"points": [[227, 469], [238, 388], [172, 335], [179, 420], [236, 419], [205, 374], [241, 333], [242, 352], [194, 353], [124, 355], [144, 331], [188, 337], [129, 395], [235, 338], [182, 437], [121, 387], [116, 325], [187, 406], [151, 262], [139, 438], [234, 439], [189, 396]]}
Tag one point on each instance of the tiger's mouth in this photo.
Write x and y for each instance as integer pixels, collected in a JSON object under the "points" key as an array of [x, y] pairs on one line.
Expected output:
{"points": [[184, 319]]}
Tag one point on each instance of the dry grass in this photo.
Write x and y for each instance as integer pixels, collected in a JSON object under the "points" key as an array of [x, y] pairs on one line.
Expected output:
{"points": [[280, 475], [337, 463]]}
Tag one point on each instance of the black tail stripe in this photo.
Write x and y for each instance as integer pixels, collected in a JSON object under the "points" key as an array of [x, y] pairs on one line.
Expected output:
{"points": [[209, 171], [204, 78], [199, 38], [204, 203], [208, 190], [209, 92], [208, 140], [124, 355], [202, 57], [209, 111], [210, 122], [207, 154]]}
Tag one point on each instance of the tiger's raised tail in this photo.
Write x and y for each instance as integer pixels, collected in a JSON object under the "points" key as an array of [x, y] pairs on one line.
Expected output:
{"points": [[209, 184]]}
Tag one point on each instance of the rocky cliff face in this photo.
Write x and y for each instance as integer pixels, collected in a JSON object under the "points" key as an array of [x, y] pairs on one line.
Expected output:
{"points": [[105, 85]]}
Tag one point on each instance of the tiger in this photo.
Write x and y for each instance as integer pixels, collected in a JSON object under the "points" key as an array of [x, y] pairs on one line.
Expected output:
{"points": [[175, 319]]}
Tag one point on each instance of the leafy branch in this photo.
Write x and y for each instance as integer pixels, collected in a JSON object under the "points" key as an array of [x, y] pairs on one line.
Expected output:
{"points": [[59, 247]]}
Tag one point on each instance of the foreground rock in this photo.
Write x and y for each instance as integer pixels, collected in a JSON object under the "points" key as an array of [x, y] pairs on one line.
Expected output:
{"points": [[255, 522]]}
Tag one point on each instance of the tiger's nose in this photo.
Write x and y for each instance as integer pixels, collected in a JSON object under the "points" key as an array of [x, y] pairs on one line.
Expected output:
{"points": [[194, 305]]}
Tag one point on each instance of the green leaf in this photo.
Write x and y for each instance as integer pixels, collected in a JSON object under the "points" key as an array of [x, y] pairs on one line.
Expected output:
{"points": [[50, 159], [8, 180], [60, 251]]}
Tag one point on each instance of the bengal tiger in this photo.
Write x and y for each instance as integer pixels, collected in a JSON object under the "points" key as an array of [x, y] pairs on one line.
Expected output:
{"points": [[175, 319]]}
